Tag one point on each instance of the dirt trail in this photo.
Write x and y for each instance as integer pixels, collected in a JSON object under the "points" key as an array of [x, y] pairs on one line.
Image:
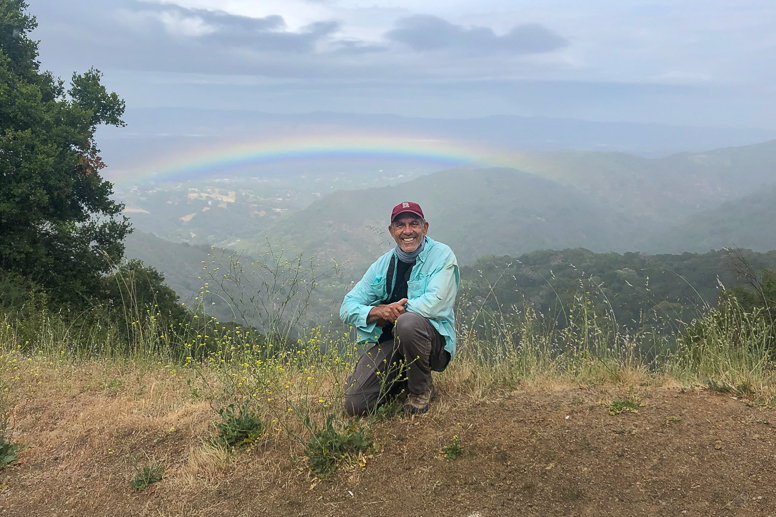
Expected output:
{"points": [[525, 453]]}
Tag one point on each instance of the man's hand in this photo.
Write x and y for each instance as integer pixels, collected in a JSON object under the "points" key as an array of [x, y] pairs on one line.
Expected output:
{"points": [[384, 314]]}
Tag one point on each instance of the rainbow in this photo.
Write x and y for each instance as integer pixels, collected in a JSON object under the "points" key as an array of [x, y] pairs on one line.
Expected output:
{"points": [[237, 158]]}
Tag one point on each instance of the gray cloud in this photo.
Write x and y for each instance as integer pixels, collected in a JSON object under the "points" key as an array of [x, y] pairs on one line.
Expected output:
{"points": [[160, 54], [427, 33], [355, 47], [168, 38], [228, 30], [221, 19]]}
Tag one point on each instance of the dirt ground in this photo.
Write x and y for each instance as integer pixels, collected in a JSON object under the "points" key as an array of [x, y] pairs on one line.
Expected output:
{"points": [[527, 452]]}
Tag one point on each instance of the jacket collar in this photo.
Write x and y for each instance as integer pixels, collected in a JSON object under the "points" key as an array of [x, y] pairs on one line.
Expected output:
{"points": [[424, 253]]}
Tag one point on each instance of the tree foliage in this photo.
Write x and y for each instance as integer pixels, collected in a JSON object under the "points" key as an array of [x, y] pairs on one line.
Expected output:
{"points": [[136, 288], [634, 288], [743, 320], [58, 226], [136, 293]]}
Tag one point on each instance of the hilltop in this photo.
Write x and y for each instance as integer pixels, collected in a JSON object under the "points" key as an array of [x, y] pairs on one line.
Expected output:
{"points": [[540, 449]]}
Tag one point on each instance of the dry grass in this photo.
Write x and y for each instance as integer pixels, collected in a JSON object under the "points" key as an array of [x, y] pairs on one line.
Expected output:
{"points": [[64, 413], [87, 428], [204, 465]]}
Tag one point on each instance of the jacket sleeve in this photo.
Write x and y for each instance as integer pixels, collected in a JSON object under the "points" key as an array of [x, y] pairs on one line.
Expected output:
{"points": [[439, 296], [360, 300]]}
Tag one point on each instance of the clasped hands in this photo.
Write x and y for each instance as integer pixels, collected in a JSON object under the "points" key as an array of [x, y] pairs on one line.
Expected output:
{"points": [[384, 314]]}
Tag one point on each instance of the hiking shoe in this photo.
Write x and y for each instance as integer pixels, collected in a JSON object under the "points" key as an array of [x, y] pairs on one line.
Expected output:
{"points": [[418, 404]]}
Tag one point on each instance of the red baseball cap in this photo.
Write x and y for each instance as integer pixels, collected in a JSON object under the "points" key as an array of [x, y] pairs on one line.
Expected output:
{"points": [[407, 207]]}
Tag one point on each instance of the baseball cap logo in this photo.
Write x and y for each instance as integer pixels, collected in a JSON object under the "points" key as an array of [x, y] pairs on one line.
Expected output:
{"points": [[406, 206]]}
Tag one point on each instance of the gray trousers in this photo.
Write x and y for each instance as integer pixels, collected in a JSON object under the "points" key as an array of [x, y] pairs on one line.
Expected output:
{"points": [[402, 365]]}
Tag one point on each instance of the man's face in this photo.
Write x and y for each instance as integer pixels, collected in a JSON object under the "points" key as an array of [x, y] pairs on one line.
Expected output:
{"points": [[408, 231]]}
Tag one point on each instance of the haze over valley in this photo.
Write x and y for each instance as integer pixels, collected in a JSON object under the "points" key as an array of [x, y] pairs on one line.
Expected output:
{"points": [[555, 199], [599, 201], [517, 128]]}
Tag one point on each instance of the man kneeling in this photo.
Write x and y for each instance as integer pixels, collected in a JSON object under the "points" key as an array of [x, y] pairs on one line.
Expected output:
{"points": [[404, 306]]}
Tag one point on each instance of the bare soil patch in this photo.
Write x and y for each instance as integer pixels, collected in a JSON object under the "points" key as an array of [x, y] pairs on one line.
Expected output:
{"points": [[527, 452]]}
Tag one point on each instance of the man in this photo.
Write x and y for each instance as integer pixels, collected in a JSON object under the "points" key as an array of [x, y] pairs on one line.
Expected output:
{"points": [[404, 305]]}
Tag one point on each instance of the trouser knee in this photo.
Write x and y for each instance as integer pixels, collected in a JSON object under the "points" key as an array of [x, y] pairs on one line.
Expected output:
{"points": [[408, 329]]}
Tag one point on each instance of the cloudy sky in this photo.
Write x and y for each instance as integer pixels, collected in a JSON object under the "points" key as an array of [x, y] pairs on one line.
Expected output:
{"points": [[688, 62]]}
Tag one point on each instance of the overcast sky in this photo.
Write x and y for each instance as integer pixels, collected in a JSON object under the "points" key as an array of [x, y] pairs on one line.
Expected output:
{"points": [[689, 62]]}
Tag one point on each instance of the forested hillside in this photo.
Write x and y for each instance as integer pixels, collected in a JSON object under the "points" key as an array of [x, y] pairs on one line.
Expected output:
{"points": [[679, 185], [476, 212], [632, 287]]}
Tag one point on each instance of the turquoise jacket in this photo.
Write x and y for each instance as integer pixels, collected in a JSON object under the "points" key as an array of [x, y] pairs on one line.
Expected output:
{"points": [[431, 292]]}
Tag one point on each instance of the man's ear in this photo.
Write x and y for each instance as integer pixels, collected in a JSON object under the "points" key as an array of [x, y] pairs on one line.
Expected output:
{"points": [[390, 229]]}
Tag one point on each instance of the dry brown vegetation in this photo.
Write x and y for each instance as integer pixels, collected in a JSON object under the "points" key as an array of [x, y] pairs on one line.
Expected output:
{"points": [[543, 447], [580, 420]]}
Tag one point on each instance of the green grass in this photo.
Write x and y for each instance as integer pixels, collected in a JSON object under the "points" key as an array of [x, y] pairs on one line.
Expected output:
{"points": [[387, 411], [147, 476], [8, 450]]}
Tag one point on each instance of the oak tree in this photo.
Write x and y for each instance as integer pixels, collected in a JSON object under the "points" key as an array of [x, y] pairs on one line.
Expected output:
{"points": [[59, 227]]}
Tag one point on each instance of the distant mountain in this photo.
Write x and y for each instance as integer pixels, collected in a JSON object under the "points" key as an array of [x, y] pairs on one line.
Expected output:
{"points": [[559, 199], [153, 133], [658, 192], [748, 222], [624, 182], [476, 212], [724, 173], [667, 188]]}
